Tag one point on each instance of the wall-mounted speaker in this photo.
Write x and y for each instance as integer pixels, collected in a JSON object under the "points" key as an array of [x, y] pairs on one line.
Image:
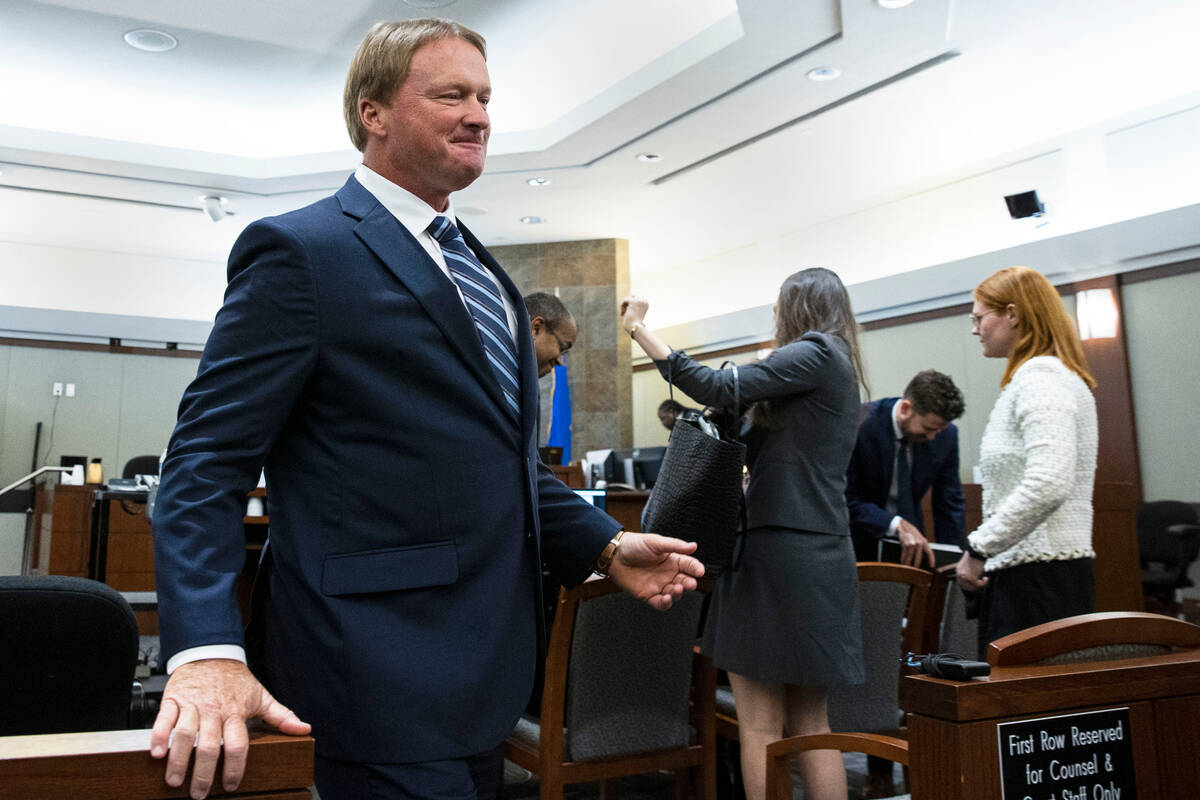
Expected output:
{"points": [[1024, 204]]}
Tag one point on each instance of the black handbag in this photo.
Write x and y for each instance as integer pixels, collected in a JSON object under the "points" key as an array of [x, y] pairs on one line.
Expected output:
{"points": [[698, 495]]}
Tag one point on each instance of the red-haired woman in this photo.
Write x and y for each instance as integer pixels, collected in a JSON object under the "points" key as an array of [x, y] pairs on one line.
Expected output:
{"points": [[1032, 555]]}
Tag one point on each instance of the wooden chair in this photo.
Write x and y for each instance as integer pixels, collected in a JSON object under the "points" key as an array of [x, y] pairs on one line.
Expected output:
{"points": [[1104, 636], [779, 767], [625, 694]]}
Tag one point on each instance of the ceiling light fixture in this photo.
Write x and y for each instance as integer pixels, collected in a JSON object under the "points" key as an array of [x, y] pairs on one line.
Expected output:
{"points": [[538, 181], [649, 158], [428, 3], [532, 220], [889, 4], [151, 41], [824, 73]]}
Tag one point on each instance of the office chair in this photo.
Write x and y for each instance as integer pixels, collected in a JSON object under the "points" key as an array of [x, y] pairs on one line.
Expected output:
{"points": [[70, 648], [140, 465], [625, 694], [1168, 543]]}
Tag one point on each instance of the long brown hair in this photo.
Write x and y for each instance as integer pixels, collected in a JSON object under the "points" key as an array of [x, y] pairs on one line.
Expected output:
{"points": [[1043, 326], [814, 299]]}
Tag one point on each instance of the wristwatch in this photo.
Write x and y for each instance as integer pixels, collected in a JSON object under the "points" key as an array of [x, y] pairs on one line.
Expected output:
{"points": [[608, 554]]}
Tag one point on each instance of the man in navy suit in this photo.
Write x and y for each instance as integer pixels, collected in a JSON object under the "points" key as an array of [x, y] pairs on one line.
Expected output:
{"points": [[375, 359], [919, 428]]}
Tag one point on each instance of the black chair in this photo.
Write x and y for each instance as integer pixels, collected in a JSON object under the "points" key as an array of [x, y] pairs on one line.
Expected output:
{"points": [[1168, 543], [70, 648], [140, 465]]}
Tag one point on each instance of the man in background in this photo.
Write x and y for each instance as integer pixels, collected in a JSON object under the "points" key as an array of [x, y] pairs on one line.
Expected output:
{"points": [[553, 329], [907, 446]]}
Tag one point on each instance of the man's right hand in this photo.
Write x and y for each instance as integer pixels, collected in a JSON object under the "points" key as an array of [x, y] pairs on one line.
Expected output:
{"points": [[207, 701], [914, 547]]}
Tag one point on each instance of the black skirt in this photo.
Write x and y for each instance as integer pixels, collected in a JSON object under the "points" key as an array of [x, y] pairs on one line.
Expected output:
{"points": [[788, 610], [1019, 597]]}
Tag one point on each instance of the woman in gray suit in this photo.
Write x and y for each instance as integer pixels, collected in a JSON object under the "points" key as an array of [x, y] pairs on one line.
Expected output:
{"points": [[784, 621]]}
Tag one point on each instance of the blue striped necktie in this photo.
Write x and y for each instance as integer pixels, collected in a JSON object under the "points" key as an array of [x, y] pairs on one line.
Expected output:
{"points": [[483, 301]]}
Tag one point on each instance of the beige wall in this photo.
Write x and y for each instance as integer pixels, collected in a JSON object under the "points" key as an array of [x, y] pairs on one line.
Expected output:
{"points": [[1161, 320]]}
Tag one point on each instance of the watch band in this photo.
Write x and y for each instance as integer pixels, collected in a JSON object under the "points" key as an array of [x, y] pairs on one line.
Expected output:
{"points": [[604, 562], [637, 326]]}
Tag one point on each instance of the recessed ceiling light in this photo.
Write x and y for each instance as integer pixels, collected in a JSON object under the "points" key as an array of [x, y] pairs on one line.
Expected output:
{"points": [[532, 220], [538, 181], [649, 157], [893, 3], [824, 73], [150, 40], [428, 3]]}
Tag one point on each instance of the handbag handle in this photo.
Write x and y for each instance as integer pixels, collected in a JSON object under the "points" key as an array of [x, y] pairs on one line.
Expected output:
{"points": [[737, 386]]}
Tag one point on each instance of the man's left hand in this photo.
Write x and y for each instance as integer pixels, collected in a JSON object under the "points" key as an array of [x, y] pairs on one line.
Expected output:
{"points": [[655, 569]]}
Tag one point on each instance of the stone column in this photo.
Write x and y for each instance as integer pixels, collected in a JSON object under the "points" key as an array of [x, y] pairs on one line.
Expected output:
{"points": [[590, 277]]}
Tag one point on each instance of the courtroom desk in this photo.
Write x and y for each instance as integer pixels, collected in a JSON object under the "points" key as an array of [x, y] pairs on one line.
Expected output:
{"points": [[116, 765], [626, 508], [954, 741], [570, 474]]}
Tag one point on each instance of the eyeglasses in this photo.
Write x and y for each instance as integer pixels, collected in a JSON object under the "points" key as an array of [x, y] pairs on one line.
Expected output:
{"points": [[563, 347], [977, 318]]}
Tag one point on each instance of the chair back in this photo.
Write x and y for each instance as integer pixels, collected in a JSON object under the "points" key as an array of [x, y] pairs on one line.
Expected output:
{"points": [[1103, 636], [893, 599], [629, 674], [1155, 545], [70, 647], [140, 465], [959, 635]]}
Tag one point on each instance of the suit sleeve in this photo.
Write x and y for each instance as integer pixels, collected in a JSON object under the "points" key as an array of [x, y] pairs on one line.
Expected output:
{"points": [[948, 518], [865, 516], [792, 369], [260, 353], [574, 532]]}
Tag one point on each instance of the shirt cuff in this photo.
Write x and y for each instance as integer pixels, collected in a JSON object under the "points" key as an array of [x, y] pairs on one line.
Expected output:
{"points": [[893, 527], [231, 652]]}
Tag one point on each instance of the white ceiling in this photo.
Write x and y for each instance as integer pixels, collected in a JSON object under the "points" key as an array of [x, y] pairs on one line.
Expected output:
{"points": [[942, 107]]}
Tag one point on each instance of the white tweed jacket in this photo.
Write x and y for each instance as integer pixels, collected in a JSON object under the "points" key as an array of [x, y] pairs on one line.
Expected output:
{"points": [[1038, 459]]}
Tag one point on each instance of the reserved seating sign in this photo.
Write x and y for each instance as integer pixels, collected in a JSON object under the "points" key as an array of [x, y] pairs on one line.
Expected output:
{"points": [[1086, 756]]}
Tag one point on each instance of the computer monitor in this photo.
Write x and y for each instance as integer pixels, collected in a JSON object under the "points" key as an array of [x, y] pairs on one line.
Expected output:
{"points": [[647, 461], [600, 466]]}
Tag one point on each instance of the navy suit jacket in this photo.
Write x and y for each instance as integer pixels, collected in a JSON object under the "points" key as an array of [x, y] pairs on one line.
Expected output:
{"points": [[934, 466], [409, 514]]}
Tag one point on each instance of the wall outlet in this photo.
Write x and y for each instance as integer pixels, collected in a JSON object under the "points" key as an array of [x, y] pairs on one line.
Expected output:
{"points": [[57, 389], [70, 390]]}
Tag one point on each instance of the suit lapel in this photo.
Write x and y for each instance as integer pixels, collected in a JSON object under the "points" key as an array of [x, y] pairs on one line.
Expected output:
{"points": [[887, 444], [392, 244]]}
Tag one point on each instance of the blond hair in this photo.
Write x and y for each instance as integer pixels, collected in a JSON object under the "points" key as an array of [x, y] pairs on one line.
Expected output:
{"points": [[1043, 326], [382, 61]]}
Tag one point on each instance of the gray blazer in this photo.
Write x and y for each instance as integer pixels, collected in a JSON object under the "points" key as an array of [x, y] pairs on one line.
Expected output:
{"points": [[798, 472]]}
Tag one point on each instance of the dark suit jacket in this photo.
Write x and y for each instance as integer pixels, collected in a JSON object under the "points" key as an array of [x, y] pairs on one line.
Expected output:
{"points": [[409, 515], [934, 465], [798, 466]]}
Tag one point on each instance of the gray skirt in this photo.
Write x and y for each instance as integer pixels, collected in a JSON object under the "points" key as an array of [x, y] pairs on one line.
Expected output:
{"points": [[788, 611]]}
